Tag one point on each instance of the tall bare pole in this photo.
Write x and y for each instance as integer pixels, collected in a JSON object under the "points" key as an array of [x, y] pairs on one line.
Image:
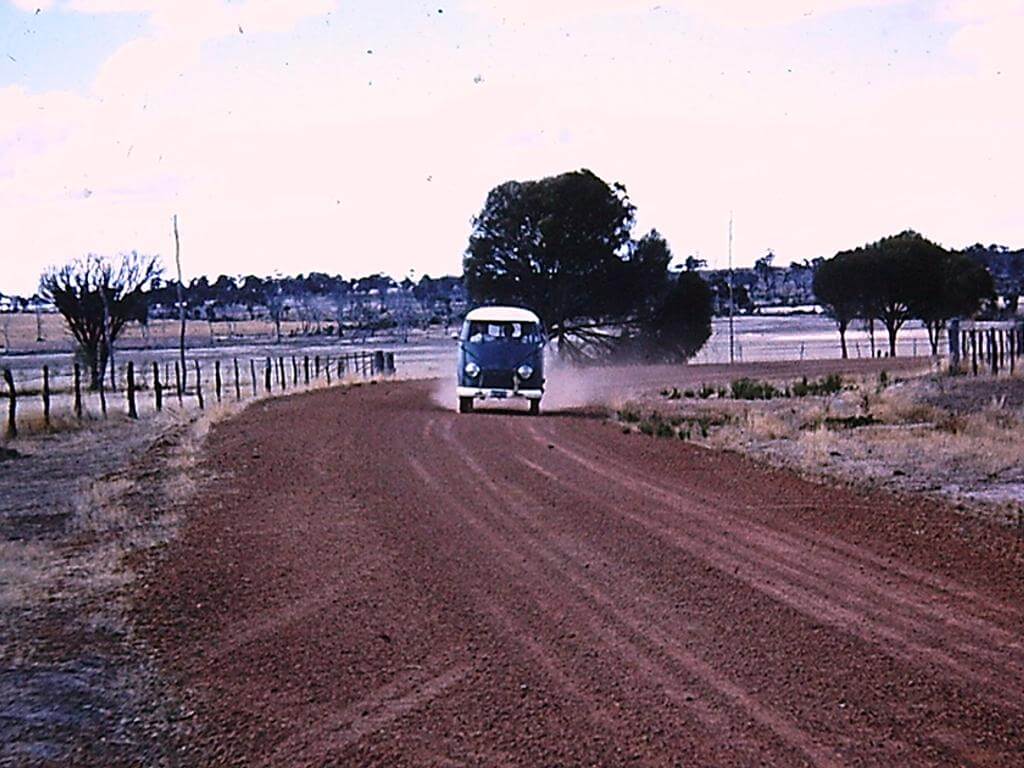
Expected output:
{"points": [[732, 303], [181, 305]]}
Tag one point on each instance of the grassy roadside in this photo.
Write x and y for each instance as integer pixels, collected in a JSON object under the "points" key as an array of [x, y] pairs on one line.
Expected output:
{"points": [[81, 515], [956, 438]]}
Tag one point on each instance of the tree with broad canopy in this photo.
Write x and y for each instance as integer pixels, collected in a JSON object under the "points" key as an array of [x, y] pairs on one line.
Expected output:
{"points": [[563, 247]]}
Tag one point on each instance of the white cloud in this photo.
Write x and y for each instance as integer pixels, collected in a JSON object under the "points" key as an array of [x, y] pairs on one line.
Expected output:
{"points": [[990, 32], [737, 13]]}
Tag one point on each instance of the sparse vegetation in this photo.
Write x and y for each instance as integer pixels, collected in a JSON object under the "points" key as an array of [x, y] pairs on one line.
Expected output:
{"points": [[953, 436]]}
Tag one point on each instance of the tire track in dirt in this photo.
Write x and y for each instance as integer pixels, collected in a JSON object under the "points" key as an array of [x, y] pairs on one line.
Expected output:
{"points": [[693, 666]]}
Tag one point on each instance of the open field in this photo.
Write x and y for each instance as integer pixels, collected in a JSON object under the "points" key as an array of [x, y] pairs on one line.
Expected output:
{"points": [[358, 576]]}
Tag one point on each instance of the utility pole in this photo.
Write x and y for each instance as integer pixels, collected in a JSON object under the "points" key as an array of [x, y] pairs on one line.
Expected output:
{"points": [[181, 306], [732, 303]]}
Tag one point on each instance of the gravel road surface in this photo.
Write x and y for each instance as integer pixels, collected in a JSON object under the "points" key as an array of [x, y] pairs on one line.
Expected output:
{"points": [[368, 578]]}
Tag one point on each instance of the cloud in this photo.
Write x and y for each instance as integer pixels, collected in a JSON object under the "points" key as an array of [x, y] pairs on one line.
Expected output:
{"points": [[989, 32], [733, 13]]}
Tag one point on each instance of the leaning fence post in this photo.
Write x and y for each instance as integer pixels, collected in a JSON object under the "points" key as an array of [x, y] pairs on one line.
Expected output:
{"points": [[12, 405], [46, 396], [177, 380], [158, 393], [78, 391], [199, 386], [132, 411], [252, 375]]}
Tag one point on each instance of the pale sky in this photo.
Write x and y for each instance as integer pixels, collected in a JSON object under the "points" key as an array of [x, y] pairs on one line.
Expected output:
{"points": [[360, 136]]}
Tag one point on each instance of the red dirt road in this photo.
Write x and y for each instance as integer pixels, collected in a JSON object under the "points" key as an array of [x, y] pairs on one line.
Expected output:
{"points": [[370, 579]]}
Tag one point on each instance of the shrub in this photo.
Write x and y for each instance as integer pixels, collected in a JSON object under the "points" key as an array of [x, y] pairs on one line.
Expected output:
{"points": [[828, 385], [750, 389], [629, 414]]}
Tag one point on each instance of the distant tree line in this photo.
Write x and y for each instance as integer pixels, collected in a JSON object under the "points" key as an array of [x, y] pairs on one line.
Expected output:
{"points": [[899, 278]]}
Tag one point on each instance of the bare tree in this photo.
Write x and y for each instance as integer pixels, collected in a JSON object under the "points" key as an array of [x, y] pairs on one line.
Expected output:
{"points": [[98, 297]]}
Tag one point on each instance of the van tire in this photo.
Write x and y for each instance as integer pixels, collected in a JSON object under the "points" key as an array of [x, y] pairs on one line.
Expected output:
{"points": [[535, 407], [465, 405]]}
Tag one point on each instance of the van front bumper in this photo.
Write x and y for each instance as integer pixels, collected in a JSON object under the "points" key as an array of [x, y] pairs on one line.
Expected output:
{"points": [[482, 393]]}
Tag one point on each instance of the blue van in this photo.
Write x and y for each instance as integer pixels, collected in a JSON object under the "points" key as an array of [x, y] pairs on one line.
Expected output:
{"points": [[501, 355]]}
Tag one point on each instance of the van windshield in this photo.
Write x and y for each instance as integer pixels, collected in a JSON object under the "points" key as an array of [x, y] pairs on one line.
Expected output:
{"points": [[483, 331]]}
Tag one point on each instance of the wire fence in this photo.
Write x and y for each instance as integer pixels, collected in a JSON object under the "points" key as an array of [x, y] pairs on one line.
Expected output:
{"points": [[62, 395]]}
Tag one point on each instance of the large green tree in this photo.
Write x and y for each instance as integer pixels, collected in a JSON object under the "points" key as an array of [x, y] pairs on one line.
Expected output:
{"points": [[839, 287], [956, 287], [563, 247]]}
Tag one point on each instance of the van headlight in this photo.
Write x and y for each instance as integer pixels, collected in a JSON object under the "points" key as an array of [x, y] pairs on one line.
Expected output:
{"points": [[472, 369], [524, 371]]}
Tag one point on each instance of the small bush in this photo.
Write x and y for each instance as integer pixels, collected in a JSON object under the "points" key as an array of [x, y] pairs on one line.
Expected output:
{"points": [[629, 414], [664, 430], [689, 393], [750, 389], [827, 385], [647, 427]]}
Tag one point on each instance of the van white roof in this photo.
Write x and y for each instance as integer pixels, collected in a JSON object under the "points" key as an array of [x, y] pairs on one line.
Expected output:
{"points": [[503, 315]]}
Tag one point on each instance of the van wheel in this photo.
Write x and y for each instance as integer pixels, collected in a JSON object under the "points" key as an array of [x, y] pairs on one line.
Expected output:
{"points": [[535, 407], [465, 405]]}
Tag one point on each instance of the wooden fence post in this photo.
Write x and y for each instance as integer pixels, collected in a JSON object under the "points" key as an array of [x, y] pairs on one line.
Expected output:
{"points": [[993, 355], [12, 405], [974, 352], [341, 358], [295, 371], [177, 381], [199, 386], [252, 375], [103, 398], [267, 378], [78, 391], [133, 412], [378, 362], [316, 363], [238, 384], [158, 392], [46, 396], [1012, 344], [389, 363], [305, 368], [282, 373], [216, 378], [327, 370]]}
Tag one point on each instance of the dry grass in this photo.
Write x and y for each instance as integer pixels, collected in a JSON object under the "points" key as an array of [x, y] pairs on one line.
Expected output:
{"points": [[935, 434]]}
